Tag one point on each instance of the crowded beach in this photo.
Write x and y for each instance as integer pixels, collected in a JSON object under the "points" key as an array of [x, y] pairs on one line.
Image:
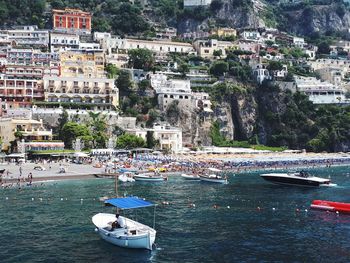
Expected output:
{"points": [[19, 173]]}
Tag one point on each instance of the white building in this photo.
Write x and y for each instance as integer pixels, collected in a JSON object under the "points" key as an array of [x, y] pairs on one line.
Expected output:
{"points": [[250, 35], [28, 36], [158, 47], [194, 3], [169, 90], [170, 138], [320, 92], [202, 101], [260, 73], [299, 42], [60, 41]]}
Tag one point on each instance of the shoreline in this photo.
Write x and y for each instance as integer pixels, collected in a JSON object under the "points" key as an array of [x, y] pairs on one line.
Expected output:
{"points": [[58, 178]]}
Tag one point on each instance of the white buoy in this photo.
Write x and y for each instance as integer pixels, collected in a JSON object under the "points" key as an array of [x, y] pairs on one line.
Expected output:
{"points": [[32, 199], [61, 199], [306, 210], [7, 198], [337, 212], [81, 199], [273, 209], [40, 199], [228, 207]]}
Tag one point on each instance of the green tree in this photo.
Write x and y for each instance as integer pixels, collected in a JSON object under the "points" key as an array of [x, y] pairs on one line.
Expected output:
{"points": [[124, 83], [219, 68], [217, 53], [98, 127], [112, 71], [141, 58], [63, 119], [152, 117], [129, 141], [150, 140], [323, 48], [71, 131], [127, 19], [275, 65], [183, 69]]}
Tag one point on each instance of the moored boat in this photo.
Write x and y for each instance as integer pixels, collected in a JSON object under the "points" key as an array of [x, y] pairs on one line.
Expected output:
{"points": [[331, 206], [298, 179], [133, 234], [193, 177], [126, 177], [214, 177], [149, 177]]}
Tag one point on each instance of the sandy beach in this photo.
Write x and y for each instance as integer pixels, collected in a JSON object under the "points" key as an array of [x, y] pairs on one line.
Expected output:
{"points": [[175, 164]]}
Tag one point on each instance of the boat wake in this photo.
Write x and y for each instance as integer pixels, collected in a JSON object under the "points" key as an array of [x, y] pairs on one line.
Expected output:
{"points": [[330, 185]]}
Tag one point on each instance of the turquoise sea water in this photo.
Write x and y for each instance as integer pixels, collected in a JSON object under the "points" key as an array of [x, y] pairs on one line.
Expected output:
{"points": [[52, 223]]}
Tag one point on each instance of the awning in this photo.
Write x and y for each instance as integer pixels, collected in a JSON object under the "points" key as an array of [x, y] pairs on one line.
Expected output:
{"points": [[80, 154], [128, 202], [15, 155]]}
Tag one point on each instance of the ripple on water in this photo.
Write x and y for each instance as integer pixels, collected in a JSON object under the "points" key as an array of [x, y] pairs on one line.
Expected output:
{"points": [[58, 228]]}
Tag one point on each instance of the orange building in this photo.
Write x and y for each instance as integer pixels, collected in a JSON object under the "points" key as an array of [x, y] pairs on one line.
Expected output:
{"points": [[72, 21]]}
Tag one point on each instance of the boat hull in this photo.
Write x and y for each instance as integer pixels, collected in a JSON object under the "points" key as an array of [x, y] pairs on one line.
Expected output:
{"points": [[134, 235], [144, 241], [305, 182], [331, 206], [190, 177], [149, 179], [213, 180]]}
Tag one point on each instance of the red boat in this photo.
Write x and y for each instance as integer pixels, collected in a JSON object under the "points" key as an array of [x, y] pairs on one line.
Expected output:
{"points": [[331, 206]]}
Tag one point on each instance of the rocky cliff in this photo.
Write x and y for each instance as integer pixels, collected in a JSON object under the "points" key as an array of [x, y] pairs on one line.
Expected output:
{"points": [[318, 18]]}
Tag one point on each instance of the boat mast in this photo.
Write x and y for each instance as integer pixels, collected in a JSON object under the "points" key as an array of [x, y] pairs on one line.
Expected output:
{"points": [[116, 189]]}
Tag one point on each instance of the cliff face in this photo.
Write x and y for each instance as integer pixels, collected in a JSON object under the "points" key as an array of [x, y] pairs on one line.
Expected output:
{"points": [[230, 14], [321, 19], [244, 113], [196, 123]]}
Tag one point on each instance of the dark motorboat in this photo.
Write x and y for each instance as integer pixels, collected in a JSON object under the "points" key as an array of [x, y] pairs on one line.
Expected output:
{"points": [[300, 179]]}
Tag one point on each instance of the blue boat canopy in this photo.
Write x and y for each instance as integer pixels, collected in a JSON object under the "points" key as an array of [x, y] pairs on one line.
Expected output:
{"points": [[128, 202]]}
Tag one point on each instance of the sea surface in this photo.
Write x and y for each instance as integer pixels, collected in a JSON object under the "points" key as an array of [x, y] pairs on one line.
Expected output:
{"points": [[248, 220]]}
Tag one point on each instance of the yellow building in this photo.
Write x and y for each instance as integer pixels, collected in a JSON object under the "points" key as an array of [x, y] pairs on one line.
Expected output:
{"points": [[100, 92], [82, 63], [32, 130], [224, 32]]}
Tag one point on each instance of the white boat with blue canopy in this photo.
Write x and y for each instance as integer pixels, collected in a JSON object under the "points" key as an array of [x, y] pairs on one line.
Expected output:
{"points": [[133, 234]]}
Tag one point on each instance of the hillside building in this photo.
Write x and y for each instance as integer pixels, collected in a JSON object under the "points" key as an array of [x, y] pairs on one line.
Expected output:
{"points": [[73, 21], [195, 3]]}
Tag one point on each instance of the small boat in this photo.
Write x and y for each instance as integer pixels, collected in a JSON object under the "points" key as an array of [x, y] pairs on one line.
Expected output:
{"points": [[214, 177], [149, 177], [331, 206], [193, 177], [300, 179], [126, 177], [133, 234], [39, 168]]}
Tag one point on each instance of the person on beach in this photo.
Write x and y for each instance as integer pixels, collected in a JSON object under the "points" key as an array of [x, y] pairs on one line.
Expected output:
{"points": [[20, 171], [30, 178]]}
